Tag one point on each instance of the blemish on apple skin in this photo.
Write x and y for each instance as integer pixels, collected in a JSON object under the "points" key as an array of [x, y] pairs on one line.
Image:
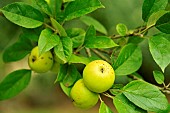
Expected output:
{"points": [[42, 57], [50, 58], [33, 58], [102, 70]]}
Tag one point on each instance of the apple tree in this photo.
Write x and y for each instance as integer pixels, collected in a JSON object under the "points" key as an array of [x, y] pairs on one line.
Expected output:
{"points": [[50, 46]]}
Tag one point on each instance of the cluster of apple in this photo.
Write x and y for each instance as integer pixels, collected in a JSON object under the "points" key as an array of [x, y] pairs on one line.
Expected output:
{"points": [[42, 63], [98, 77]]}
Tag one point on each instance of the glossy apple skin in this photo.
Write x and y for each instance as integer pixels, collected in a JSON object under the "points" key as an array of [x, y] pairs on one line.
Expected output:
{"points": [[82, 97], [98, 76], [40, 64]]}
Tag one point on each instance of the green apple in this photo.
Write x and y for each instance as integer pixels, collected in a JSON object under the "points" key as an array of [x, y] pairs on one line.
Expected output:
{"points": [[83, 97], [42, 63], [98, 76]]}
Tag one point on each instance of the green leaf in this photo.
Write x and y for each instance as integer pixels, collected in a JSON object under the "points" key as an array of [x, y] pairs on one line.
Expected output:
{"points": [[135, 40], [159, 77], [17, 51], [62, 72], [77, 36], [31, 34], [72, 76], [145, 96], [129, 60], [43, 5], [151, 6], [14, 83], [58, 27], [65, 89], [64, 49], [55, 6], [121, 29], [79, 8], [68, 1], [163, 23], [123, 105], [79, 59], [68, 74], [97, 25], [159, 48], [47, 41], [93, 41], [104, 108], [99, 42], [165, 111], [154, 17], [91, 32], [23, 15]]}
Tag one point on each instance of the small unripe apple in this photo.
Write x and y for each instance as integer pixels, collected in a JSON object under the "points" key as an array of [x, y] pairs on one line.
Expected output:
{"points": [[42, 63], [83, 97], [98, 76]]}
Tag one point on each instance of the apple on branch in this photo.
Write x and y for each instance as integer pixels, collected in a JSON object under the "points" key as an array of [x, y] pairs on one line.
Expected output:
{"points": [[42, 63], [98, 76]]}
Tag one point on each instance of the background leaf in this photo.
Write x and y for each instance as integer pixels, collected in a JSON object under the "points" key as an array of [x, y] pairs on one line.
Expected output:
{"points": [[151, 6], [145, 96], [14, 83], [159, 48], [79, 8], [104, 108], [123, 105], [23, 15], [163, 23], [47, 41], [97, 25], [129, 60], [159, 77], [18, 50]]}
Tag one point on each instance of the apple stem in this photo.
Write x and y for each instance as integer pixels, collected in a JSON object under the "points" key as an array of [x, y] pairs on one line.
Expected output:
{"points": [[79, 49], [107, 95], [100, 99], [48, 26], [88, 52]]}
